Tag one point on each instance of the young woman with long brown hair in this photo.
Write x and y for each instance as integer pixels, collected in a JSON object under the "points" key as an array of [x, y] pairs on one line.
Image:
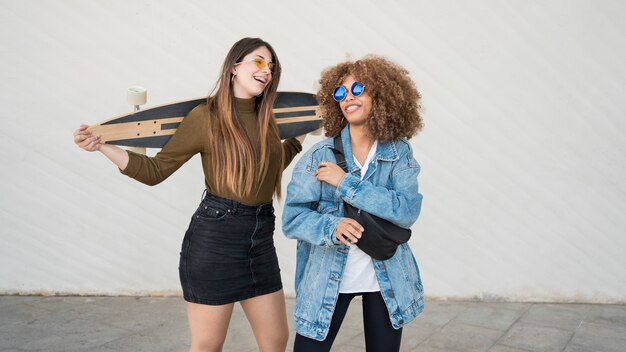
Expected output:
{"points": [[228, 252]]}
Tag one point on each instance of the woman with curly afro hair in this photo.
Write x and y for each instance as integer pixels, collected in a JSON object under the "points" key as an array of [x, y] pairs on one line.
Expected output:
{"points": [[370, 108], [395, 100]]}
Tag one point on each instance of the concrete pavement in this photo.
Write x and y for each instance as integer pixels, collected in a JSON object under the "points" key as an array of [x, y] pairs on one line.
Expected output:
{"points": [[35, 323]]}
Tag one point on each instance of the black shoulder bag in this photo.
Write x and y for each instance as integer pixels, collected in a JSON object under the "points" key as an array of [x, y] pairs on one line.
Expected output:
{"points": [[381, 237]]}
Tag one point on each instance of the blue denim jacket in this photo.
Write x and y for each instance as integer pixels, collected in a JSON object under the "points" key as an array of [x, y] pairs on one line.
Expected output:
{"points": [[312, 211]]}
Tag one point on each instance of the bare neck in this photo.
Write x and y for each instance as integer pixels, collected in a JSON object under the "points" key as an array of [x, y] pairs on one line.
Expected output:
{"points": [[360, 142]]}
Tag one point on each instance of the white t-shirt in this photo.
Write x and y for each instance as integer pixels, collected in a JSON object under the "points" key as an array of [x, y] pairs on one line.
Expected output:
{"points": [[359, 275]]}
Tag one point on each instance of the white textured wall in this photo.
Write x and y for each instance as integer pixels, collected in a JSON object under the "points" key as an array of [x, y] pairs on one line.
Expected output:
{"points": [[523, 168]]}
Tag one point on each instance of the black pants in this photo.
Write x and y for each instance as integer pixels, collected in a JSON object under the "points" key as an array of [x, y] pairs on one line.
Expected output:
{"points": [[379, 334]]}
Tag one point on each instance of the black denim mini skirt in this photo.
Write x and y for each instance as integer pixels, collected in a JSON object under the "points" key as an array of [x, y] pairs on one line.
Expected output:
{"points": [[228, 252]]}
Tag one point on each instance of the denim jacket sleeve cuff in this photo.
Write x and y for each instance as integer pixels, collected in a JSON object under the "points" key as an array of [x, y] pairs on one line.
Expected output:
{"points": [[331, 240], [347, 187]]}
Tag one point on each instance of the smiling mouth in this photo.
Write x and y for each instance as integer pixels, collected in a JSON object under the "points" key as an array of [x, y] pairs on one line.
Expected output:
{"points": [[259, 79], [351, 108]]}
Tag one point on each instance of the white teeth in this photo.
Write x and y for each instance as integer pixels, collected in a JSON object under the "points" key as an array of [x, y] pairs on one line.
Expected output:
{"points": [[351, 108]]}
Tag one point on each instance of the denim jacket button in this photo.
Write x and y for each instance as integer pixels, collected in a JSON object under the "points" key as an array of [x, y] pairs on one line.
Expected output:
{"points": [[401, 321], [382, 266], [392, 294]]}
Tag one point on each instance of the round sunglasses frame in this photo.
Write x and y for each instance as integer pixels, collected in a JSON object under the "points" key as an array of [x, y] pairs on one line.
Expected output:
{"points": [[341, 92]]}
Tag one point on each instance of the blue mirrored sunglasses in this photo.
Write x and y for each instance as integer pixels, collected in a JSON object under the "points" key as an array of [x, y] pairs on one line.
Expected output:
{"points": [[340, 93]]}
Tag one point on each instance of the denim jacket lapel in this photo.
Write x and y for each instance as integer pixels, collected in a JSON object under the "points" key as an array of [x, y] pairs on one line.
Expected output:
{"points": [[385, 152]]}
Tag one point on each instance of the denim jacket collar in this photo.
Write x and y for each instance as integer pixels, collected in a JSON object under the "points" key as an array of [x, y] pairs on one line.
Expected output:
{"points": [[386, 151]]}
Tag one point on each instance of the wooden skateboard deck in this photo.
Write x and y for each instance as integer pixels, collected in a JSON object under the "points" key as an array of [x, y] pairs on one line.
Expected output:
{"points": [[296, 114]]}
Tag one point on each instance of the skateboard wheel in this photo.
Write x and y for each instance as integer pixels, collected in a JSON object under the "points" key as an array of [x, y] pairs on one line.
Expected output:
{"points": [[136, 95]]}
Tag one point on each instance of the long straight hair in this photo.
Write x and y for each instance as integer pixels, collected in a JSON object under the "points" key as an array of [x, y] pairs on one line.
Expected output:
{"points": [[231, 147]]}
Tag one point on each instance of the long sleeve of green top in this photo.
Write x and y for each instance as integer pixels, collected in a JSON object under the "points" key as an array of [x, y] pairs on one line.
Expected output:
{"points": [[192, 137]]}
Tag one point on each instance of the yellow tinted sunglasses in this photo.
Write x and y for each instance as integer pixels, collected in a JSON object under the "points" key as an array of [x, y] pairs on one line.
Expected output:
{"points": [[260, 63]]}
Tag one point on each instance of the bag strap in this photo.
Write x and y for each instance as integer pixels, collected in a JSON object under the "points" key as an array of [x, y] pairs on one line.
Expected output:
{"points": [[338, 151]]}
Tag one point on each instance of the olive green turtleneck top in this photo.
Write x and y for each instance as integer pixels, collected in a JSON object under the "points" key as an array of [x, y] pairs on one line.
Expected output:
{"points": [[192, 137]]}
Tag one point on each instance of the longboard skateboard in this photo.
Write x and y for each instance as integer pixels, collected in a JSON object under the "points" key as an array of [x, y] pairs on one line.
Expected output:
{"points": [[296, 114]]}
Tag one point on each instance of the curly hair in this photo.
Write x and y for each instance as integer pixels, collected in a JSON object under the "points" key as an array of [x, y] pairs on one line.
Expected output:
{"points": [[396, 103]]}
